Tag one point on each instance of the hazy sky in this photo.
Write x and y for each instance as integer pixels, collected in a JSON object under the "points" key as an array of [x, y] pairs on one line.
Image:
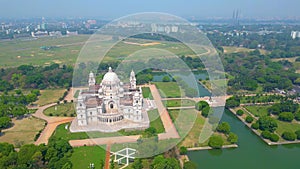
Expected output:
{"points": [[116, 8]]}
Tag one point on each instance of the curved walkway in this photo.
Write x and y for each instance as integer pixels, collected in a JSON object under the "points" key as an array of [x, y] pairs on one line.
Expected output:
{"points": [[52, 123]]}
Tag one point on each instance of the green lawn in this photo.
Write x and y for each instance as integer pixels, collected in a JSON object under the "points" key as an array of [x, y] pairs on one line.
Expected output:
{"points": [[83, 156], [286, 126], [147, 93], [76, 93], [179, 103], [65, 134], [168, 89], [63, 110], [185, 119], [155, 121], [50, 96], [121, 50], [258, 111]]}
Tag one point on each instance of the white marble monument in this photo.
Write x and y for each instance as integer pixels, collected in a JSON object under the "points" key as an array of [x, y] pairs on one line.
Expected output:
{"points": [[110, 106]]}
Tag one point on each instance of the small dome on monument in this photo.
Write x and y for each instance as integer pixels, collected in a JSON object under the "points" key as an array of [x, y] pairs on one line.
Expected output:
{"points": [[91, 74], [132, 74]]}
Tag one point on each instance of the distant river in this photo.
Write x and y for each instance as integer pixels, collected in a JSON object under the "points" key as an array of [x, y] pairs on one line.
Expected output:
{"points": [[252, 152]]}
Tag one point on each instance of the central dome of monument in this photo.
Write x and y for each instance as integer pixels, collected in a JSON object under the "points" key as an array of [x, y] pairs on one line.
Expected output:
{"points": [[110, 77]]}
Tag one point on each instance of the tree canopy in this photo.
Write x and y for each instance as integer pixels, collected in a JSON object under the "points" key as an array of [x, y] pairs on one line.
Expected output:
{"points": [[216, 142], [267, 123]]}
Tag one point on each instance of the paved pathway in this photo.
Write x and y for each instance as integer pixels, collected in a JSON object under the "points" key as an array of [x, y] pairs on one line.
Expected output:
{"points": [[170, 130], [107, 157], [184, 107], [209, 148], [104, 140], [52, 123]]}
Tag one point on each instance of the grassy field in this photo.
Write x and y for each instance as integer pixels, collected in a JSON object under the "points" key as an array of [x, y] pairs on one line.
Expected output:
{"points": [[147, 93], [258, 111], [62, 132], [22, 132], [123, 49], [296, 65], [63, 110], [292, 59], [50, 96], [168, 89], [188, 124], [286, 126], [66, 50], [18, 52], [233, 49], [190, 132], [179, 103], [83, 156]]}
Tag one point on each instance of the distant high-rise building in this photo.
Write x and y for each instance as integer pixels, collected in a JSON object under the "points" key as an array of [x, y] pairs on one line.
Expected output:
{"points": [[43, 26], [295, 34], [236, 17]]}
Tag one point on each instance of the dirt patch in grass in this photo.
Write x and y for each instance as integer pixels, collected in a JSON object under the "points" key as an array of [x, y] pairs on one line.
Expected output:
{"points": [[23, 131]]}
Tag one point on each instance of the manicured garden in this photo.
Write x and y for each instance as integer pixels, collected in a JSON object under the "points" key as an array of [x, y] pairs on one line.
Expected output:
{"points": [[63, 110], [168, 89], [155, 121], [258, 111], [147, 93], [179, 103]]}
